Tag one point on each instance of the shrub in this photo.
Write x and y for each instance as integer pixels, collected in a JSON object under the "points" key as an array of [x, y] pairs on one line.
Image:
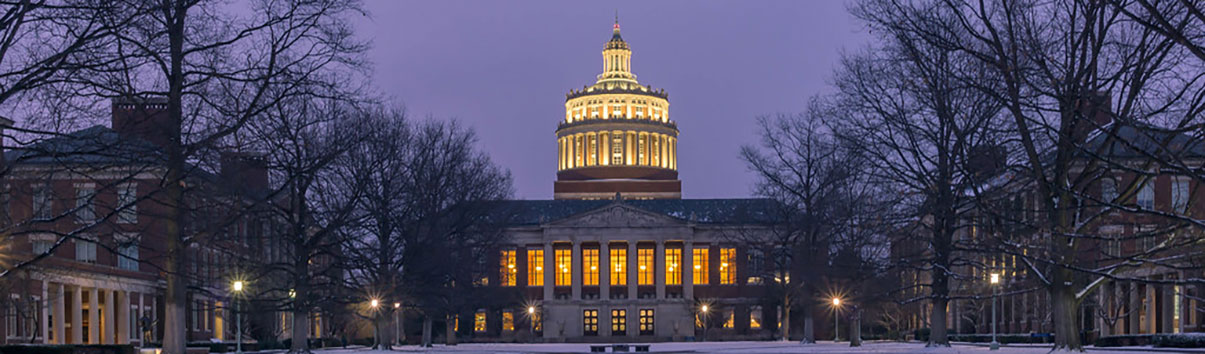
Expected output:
{"points": [[1124, 340], [68, 349], [1182, 340], [1007, 338]]}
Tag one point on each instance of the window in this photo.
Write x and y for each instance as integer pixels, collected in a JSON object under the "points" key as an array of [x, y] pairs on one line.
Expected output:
{"points": [[537, 322], [11, 320], [673, 269], [619, 262], [617, 150], [509, 272], [590, 267], [619, 322], [564, 265], [85, 209], [508, 320], [646, 322], [535, 267], [1146, 195], [590, 322], [42, 202], [85, 251], [127, 197], [1179, 195], [755, 317], [727, 266], [479, 321], [642, 157], [1108, 190], [644, 260], [128, 255], [755, 266], [701, 266], [729, 318], [456, 323], [41, 243]]}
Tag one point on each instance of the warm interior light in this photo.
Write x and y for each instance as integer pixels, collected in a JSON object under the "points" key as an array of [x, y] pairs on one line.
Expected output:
{"points": [[397, 305], [539, 268], [641, 267], [511, 266], [698, 267], [725, 264], [995, 278], [593, 268]]}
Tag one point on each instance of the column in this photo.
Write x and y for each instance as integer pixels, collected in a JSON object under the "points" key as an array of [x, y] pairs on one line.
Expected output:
{"points": [[604, 275], [661, 145], [659, 270], [575, 279], [633, 272], [1152, 310], [1167, 315], [123, 318], [630, 152], [94, 316], [77, 316], [688, 270], [1102, 303], [141, 313], [45, 312], [604, 148], [1135, 309], [560, 153], [109, 318], [549, 273], [60, 311]]}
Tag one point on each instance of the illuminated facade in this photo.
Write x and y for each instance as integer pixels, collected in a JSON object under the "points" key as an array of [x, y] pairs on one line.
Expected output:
{"points": [[617, 136]]}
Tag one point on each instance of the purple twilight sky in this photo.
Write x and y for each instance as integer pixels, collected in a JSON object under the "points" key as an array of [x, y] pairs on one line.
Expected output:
{"points": [[504, 67]]}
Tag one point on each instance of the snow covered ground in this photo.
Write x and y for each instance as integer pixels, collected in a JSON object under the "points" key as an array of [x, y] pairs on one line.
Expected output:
{"points": [[734, 347]]}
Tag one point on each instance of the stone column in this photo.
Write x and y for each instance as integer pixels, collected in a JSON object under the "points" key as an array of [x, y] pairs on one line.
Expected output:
{"points": [[1167, 313], [1135, 309], [45, 307], [549, 273], [604, 275], [94, 316], [110, 319], [659, 269], [77, 316], [1152, 310], [633, 271], [123, 318], [140, 314], [688, 271], [60, 311], [1102, 303], [575, 265]]}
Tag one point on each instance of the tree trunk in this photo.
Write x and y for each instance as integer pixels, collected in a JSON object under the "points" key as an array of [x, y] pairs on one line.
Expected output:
{"points": [[175, 336], [855, 328], [809, 306], [786, 316], [401, 327], [450, 337], [426, 332], [1063, 307], [937, 323], [301, 330]]}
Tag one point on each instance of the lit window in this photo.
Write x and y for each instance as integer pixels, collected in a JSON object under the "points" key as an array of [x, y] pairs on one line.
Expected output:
{"points": [[479, 321], [509, 271], [700, 266], [590, 266], [646, 322], [508, 320], [617, 150], [673, 266], [644, 260], [642, 157], [537, 322], [729, 318], [619, 322], [535, 267], [1146, 196], [590, 322], [456, 323], [127, 197], [727, 266], [564, 265], [619, 263], [755, 317]]}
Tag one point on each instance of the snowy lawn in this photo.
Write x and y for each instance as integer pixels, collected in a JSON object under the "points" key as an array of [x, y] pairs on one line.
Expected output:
{"points": [[742, 347]]}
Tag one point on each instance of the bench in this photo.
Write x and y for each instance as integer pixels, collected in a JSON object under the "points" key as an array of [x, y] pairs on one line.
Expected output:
{"points": [[641, 348], [598, 349]]}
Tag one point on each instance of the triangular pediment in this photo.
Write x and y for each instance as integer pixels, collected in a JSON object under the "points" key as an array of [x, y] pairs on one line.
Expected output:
{"points": [[617, 215]]}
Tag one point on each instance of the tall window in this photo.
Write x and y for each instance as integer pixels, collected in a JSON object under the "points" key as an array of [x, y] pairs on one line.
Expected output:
{"points": [[508, 320], [646, 322], [537, 322], [729, 318], [509, 273], [619, 264], [128, 255], [701, 268], [42, 202], [755, 317], [41, 243], [592, 149], [617, 149], [1146, 195], [535, 267], [564, 265], [1179, 195], [619, 322], [727, 266], [85, 209], [590, 322], [85, 251], [673, 268], [642, 143], [479, 321], [127, 197], [644, 260], [590, 266], [757, 260]]}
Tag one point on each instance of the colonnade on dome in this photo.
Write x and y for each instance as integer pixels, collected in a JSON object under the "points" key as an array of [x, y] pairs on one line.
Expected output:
{"points": [[617, 148]]}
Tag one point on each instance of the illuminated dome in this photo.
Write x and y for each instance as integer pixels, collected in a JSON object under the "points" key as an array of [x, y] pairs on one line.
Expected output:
{"points": [[617, 136]]}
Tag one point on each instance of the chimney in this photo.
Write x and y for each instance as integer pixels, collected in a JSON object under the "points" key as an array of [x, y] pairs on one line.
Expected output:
{"points": [[4, 124], [1095, 110], [244, 171], [144, 119]]}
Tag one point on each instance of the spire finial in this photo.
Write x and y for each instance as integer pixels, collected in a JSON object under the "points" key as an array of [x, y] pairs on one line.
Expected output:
{"points": [[616, 20]]}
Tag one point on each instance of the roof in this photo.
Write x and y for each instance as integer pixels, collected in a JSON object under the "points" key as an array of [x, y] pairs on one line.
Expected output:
{"points": [[1137, 142], [702, 211], [94, 145]]}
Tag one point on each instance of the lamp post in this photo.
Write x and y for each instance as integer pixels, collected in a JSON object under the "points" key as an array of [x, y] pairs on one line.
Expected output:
{"points": [[238, 317], [704, 310], [836, 319], [375, 339], [531, 318], [995, 279], [397, 328]]}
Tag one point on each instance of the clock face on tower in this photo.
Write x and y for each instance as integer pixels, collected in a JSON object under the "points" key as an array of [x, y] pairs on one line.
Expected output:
{"points": [[617, 138]]}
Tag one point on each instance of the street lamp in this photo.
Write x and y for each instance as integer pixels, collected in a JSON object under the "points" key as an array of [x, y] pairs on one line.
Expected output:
{"points": [[238, 316], [995, 282], [836, 319], [531, 319], [375, 338], [397, 327], [704, 310]]}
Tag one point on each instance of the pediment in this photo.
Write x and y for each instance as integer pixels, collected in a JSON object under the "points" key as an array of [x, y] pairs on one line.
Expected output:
{"points": [[617, 215]]}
